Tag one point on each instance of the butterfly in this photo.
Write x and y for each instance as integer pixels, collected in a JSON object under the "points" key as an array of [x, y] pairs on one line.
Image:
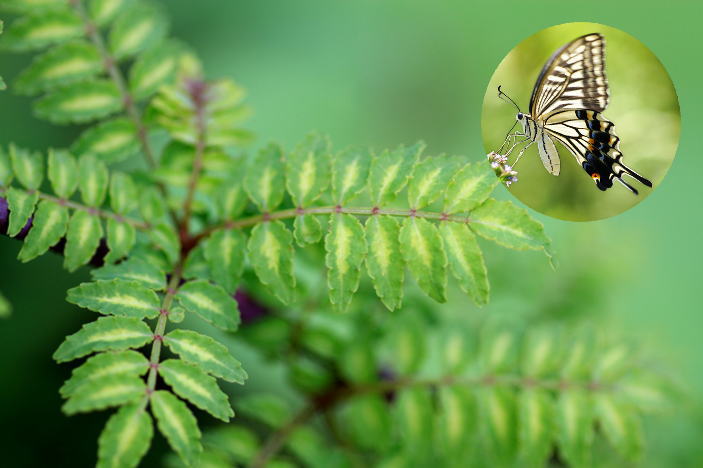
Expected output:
{"points": [[566, 104]]}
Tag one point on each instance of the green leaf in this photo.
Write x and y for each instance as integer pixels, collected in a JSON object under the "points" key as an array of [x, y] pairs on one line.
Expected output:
{"points": [[508, 225], [126, 438], [390, 172], [307, 229], [64, 64], [156, 67], [414, 417], [210, 302], [176, 314], [224, 252], [345, 245], [120, 240], [177, 423], [195, 266], [82, 239], [456, 350], [103, 365], [103, 11], [115, 333], [469, 187], [498, 350], [29, 6], [123, 193], [307, 170], [93, 180], [28, 167], [109, 390], [36, 31], [48, 227], [541, 354], [231, 200], [384, 261], [357, 363], [21, 205], [574, 419], [536, 423], [5, 307], [80, 102], [499, 414], [111, 141], [367, 422], [116, 297], [264, 180], [133, 269], [350, 170], [621, 425], [265, 407], [203, 351], [407, 347], [191, 383], [164, 238], [6, 173], [425, 256], [430, 179], [457, 420], [135, 29], [271, 255], [63, 173], [466, 260], [152, 205]]}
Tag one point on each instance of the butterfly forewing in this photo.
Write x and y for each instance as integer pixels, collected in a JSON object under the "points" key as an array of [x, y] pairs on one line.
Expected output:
{"points": [[573, 78]]}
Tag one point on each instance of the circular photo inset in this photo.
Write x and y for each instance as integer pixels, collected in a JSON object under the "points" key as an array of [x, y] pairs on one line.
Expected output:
{"points": [[583, 121]]}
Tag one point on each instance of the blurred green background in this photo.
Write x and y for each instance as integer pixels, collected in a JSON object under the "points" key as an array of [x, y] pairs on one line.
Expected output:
{"points": [[643, 106], [381, 72]]}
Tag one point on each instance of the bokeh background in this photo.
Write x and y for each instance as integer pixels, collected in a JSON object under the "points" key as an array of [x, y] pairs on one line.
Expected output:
{"points": [[381, 72], [643, 106]]}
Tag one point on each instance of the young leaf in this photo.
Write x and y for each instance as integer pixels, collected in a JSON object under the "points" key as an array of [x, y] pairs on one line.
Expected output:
{"points": [[123, 193], [574, 419], [307, 170], [164, 238], [307, 229], [210, 302], [457, 420], [116, 297], [508, 225], [466, 260], [82, 239], [126, 437], [80, 102], [425, 256], [203, 351], [135, 29], [271, 255], [178, 425], [21, 205], [156, 67], [111, 141], [430, 179], [191, 383], [36, 31], [63, 173], [536, 426], [48, 227], [120, 239], [621, 425], [64, 64], [469, 187], [109, 390], [28, 167], [103, 11], [93, 180], [264, 180], [345, 245], [115, 333], [349, 174], [390, 171], [133, 269], [224, 252], [105, 364]]}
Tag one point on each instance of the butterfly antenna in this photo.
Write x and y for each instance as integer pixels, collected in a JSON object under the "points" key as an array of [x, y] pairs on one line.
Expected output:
{"points": [[501, 94]]}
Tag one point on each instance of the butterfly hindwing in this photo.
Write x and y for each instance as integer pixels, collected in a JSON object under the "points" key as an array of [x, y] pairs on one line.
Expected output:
{"points": [[548, 153], [573, 78]]}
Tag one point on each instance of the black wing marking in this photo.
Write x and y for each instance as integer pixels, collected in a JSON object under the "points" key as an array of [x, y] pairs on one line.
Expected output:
{"points": [[573, 78], [594, 144]]}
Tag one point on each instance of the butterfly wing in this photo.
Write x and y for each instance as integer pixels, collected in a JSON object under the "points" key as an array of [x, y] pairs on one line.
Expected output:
{"points": [[573, 78], [594, 144], [548, 153]]}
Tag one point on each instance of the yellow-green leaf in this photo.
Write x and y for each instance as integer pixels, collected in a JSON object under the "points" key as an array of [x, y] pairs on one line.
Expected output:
{"points": [[264, 181], [536, 408], [621, 425], [307, 169], [82, 239], [307, 229], [136, 28], [48, 227], [103, 11], [429, 180], [350, 172], [63, 173], [106, 391], [105, 364], [574, 419], [211, 356], [111, 141], [133, 269], [384, 260], [424, 254], [120, 240], [40, 29], [116, 297], [27, 166], [466, 260], [21, 205], [80, 102], [178, 425], [508, 225], [154, 68], [390, 172], [210, 302], [271, 255], [469, 187], [126, 438], [224, 252], [345, 245]]}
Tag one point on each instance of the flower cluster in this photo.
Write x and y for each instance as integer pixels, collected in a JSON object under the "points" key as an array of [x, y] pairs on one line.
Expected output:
{"points": [[503, 170]]}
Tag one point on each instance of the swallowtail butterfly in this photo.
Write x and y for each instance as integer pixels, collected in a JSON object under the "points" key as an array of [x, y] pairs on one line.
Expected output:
{"points": [[569, 96]]}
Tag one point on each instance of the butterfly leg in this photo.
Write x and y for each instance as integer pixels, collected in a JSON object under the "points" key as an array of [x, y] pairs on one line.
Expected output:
{"points": [[522, 151], [516, 142]]}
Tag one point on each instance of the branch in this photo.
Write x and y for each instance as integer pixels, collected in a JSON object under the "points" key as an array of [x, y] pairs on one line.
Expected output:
{"points": [[275, 442]]}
